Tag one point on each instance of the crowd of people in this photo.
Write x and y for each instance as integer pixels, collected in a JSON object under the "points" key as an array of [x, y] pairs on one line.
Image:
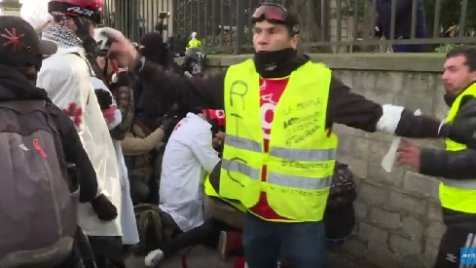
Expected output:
{"points": [[111, 147]]}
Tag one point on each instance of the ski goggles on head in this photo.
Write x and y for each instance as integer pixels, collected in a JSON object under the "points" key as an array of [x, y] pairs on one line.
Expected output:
{"points": [[271, 12]]}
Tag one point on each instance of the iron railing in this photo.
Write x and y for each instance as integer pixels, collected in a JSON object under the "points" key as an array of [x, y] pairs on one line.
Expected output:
{"points": [[137, 17], [327, 25]]}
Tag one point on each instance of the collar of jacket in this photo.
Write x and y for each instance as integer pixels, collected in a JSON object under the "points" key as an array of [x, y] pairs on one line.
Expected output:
{"points": [[449, 99], [15, 86]]}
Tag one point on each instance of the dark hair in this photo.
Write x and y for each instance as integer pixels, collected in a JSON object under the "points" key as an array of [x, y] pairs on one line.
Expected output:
{"points": [[156, 51], [202, 110], [469, 52]]}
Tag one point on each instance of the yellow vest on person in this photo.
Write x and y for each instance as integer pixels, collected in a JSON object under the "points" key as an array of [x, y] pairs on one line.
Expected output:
{"points": [[301, 157], [458, 195], [194, 43], [210, 191]]}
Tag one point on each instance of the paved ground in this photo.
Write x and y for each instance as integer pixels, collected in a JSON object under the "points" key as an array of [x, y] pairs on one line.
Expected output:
{"points": [[199, 257], [202, 257]]}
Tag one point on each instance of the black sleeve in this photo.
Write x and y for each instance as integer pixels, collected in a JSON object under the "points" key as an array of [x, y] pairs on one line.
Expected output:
{"points": [[351, 109], [451, 165], [190, 92], [74, 153], [356, 111], [414, 126]]}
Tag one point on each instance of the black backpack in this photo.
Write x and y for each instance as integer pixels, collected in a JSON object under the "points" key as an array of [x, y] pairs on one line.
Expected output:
{"points": [[343, 188], [149, 225], [339, 217], [38, 208]]}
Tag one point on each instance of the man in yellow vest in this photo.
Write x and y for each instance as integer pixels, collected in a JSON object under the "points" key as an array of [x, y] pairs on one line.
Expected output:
{"points": [[194, 41], [279, 151], [456, 164]]}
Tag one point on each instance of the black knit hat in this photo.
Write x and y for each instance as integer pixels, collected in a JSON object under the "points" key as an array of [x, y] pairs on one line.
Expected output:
{"points": [[20, 44]]}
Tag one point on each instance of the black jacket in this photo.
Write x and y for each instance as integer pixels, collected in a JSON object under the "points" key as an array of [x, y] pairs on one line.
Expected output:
{"points": [[344, 107], [459, 165], [463, 127], [15, 86]]}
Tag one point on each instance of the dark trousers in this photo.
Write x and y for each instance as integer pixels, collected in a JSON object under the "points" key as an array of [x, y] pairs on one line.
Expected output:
{"points": [[452, 242], [82, 255], [206, 234], [107, 251]]}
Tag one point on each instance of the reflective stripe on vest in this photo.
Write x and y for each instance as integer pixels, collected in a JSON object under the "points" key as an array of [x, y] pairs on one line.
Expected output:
{"points": [[240, 167], [469, 184], [290, 154], [458, 195], [242, 143], [304, 154], [301, 157], [299, 182]]}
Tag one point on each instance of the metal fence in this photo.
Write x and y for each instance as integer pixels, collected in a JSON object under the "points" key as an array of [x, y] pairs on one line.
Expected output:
{"points": [[137, 17], [327, 25]]}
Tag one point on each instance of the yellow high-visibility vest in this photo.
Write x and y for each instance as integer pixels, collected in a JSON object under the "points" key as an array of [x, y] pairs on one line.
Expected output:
{"points": [[302, 153], [458, 195], [194, 43], [210, 191]]}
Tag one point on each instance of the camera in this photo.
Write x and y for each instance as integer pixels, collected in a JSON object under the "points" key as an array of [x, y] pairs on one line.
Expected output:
{"points": [[164, 15]]}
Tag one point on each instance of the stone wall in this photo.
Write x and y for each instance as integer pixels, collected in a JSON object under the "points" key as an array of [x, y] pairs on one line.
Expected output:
{"points": [[399, 217]]}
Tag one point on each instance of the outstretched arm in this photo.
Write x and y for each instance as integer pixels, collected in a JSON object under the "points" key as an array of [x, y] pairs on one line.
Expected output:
{"points": [[354, 110]]}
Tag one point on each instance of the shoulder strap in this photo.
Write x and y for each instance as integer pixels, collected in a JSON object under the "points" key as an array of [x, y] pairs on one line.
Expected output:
{"points": [[24, 106]]}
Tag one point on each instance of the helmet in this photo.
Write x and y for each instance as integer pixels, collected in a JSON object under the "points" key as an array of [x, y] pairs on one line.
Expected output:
{"points": [[90, 9], [193, 35], [101, 39]]}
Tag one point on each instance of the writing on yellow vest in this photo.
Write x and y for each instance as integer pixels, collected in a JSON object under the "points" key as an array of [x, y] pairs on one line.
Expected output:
{"points": [[458, 195], [301, 156]]}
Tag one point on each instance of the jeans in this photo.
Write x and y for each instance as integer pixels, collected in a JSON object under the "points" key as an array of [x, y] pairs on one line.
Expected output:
{"points": [[299, 245], [335, 243]]}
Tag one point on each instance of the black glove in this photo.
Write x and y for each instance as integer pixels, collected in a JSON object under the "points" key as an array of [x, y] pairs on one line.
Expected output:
{"points": [[463, 127], [104, 98], [104, 209], [168, 125]]}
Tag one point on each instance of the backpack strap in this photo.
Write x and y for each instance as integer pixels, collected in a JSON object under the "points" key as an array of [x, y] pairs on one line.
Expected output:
{"points": [[24, 106]]}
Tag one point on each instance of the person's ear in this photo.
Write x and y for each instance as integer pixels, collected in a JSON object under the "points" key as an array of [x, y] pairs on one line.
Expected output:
{"points": [[295, 41]]}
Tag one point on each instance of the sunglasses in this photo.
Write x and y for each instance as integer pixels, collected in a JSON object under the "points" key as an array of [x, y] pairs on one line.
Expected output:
{"points": [[271, 12]]}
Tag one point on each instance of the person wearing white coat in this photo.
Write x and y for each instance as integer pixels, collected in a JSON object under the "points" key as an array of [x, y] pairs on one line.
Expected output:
{"points": [[67, 78], [189, 155], [118, 120]]}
